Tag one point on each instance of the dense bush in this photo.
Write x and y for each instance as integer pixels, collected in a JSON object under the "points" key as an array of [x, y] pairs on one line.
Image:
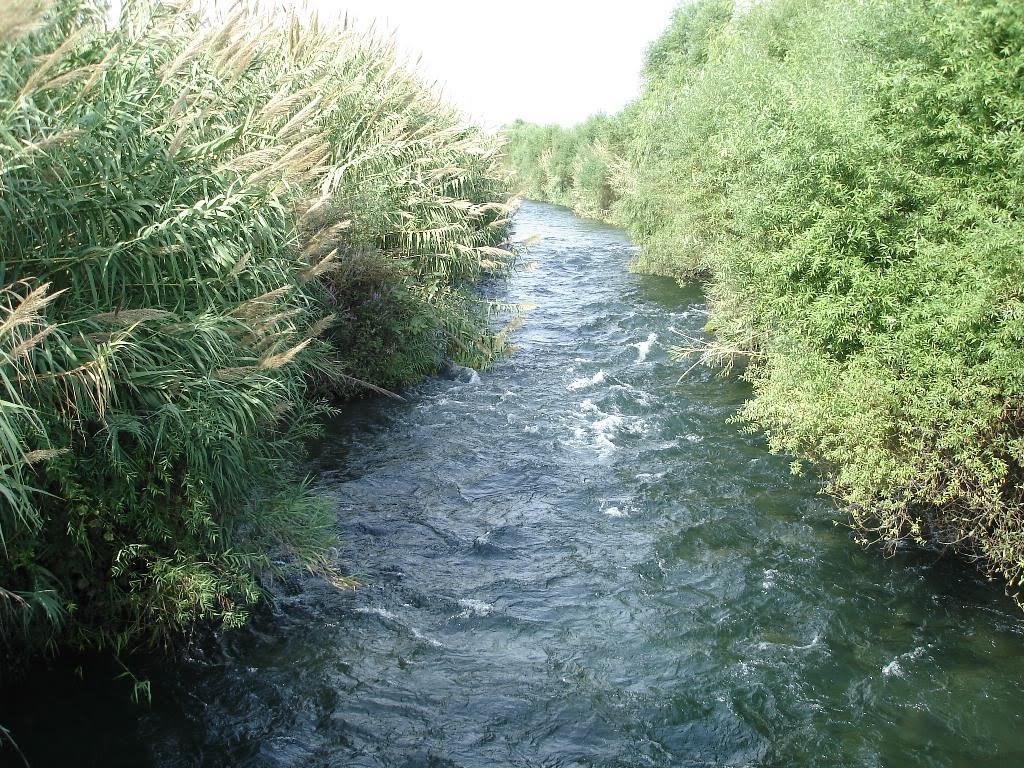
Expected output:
{"points": [[575, 167], [205, 226], [847, 178]]}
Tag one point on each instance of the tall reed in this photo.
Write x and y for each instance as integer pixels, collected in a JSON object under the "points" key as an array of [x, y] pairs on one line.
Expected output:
{"points": [[208, 225]]}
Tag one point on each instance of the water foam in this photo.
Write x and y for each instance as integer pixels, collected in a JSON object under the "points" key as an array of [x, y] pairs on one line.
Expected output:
{"points": [[644, 347], [597, 378], [608, 425], [383, 613], [892, 669], [474, 607], [895, 669], [602, 431], [598, 428], [424, 639], [388, 616]]}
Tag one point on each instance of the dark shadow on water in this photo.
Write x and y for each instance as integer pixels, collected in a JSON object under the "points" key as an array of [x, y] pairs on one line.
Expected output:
{"points": [[669, 293]]}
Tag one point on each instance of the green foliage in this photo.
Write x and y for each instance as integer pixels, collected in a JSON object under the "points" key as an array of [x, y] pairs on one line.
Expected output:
{"points": [[847, 178], [203, 224], [575, 167], [686, 45]]}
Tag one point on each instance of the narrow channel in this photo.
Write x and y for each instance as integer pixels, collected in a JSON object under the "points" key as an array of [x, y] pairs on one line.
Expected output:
{"points": [[576, 559]]}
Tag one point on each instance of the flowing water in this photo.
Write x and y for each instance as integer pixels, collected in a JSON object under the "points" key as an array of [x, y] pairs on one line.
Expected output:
{"points": [[574, 559]]}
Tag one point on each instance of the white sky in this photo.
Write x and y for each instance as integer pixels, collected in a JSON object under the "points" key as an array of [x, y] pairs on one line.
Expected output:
{"points": [[546, 61]]}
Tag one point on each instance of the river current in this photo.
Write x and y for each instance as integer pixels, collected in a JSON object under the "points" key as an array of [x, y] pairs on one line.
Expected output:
{"points": [[576, 559]]}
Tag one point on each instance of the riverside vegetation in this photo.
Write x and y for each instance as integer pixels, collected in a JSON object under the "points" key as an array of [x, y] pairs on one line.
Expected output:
{"points": [[208, 228], [846, 179]]}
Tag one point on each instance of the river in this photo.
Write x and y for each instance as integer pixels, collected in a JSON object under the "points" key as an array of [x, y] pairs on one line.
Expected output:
{"points": [[576, 559]]}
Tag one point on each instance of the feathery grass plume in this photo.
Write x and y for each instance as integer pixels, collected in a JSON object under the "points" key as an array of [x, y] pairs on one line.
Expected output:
{"points": [[395, 204], [206, 221], [20, 17]]}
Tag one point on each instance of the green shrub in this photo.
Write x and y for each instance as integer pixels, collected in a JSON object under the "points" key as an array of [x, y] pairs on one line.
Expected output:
{"points": [[846, 178], [574, 167]]}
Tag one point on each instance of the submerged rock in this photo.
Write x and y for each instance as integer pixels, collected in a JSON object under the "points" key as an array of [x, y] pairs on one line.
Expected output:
{"points": [[455, 372]]}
